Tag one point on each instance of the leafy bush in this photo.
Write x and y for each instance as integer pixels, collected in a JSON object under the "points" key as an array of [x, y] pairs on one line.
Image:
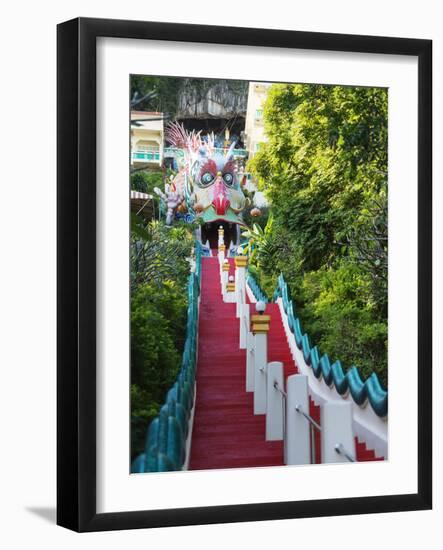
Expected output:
{"points": [[157, 332], [340, 317], [159, 270], [159, 253], [146, 181]]}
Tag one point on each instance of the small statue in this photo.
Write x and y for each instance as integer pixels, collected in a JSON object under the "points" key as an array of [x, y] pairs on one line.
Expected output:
{"points": [[172, 199]]}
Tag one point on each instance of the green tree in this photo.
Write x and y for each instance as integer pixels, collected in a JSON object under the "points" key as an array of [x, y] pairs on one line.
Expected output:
{"points": [[146, 181], [324, 171], [161, 92]]}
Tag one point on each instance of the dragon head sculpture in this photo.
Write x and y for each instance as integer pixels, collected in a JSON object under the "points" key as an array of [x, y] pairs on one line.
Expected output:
{"points": [[207, 179]]}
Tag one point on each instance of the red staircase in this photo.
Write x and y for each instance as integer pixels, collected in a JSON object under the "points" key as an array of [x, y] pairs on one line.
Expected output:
{"points": [[226, 434]]}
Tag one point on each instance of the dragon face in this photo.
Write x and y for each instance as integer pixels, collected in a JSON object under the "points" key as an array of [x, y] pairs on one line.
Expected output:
{"points": [[216, 193], [209, 181]]}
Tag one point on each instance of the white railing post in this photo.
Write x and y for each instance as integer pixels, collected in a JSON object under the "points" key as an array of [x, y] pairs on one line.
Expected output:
{"points": [[274, 402], [221, 254], [250, 369], [221, 236], [260, 329], [297, 448], [240, 281], [337, 443], [224, 277], [244, 325]]}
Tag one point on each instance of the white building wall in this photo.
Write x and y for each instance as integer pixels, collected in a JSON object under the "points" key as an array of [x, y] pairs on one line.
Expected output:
{"points": [[254, 127], [147, 135]]}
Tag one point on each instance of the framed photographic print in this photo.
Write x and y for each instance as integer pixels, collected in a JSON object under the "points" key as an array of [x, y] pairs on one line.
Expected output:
{"points": [[244, 274]]}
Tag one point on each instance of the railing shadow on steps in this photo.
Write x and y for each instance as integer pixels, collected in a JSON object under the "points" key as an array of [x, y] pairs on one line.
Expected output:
{"points": [[166, 437]]}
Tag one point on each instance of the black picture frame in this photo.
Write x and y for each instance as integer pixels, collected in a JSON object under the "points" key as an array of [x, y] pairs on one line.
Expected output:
{"points": [[76, 265]]}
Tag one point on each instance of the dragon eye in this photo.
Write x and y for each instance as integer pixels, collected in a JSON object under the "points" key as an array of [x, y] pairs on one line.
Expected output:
{"points": [[228, 178], [207, 178]]}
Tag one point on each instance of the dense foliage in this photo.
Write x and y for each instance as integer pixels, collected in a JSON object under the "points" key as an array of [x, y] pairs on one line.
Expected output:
{"points": [[146, 181], [324, 172], [159, 270]]}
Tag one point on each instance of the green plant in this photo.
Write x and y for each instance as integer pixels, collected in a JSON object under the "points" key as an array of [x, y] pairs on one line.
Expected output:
{"points": [[157, 332], [340, 316], [257, 240], [159, 253], [146, 181], [159, 270]]}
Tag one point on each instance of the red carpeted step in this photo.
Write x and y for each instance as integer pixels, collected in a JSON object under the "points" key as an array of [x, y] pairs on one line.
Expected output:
{"points": [[363, 453]]}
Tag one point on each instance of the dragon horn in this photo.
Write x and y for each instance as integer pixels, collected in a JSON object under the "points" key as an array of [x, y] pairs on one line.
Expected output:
{"points": [[230, 151]]}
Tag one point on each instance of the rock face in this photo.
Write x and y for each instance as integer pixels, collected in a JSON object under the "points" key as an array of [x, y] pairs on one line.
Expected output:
{"points": [[222, 100]]}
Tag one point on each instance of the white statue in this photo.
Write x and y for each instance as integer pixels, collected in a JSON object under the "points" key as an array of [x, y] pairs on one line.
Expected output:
{"points": [[172, 199]]}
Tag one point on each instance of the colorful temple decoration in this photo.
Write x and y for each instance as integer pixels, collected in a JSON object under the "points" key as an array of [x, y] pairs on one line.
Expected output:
{"points": [[206, 187]]}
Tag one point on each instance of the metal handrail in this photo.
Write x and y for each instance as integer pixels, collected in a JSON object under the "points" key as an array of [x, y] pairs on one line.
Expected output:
{"points": [[237, 152], [143, 155], [339, 449], [312, 425], [308, 417], [277, 387], [283, 403]]}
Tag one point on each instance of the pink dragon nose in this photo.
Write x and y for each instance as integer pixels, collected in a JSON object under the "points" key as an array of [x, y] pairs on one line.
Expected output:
{"points": [[220, 202]]}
